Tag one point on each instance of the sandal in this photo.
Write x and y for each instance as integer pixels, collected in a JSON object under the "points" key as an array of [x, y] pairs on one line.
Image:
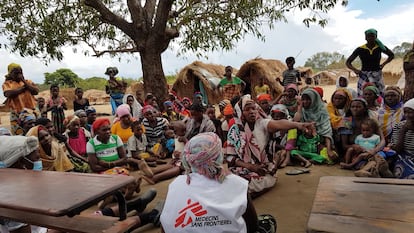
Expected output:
{"points": [[297, 171]]}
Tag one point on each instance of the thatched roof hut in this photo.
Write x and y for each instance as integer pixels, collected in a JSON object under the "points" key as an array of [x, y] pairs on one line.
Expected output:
{"points": [[201, 77], [94, 96], [326, 77], [136, 89], [305, 71], [393, 71], [270, 69]]}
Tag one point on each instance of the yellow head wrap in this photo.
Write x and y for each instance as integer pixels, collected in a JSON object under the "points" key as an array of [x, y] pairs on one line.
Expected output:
{"points": [[12, 66]]}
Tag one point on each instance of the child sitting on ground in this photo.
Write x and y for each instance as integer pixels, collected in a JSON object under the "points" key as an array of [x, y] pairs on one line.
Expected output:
{"points": [[364, 142], [169, 142], [173, 168], [277, 141], [138, 145], [309, 149]]}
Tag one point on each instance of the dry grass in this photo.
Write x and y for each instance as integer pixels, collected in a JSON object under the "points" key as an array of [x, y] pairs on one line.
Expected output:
{"points": [[270, 69], [186, 79]]}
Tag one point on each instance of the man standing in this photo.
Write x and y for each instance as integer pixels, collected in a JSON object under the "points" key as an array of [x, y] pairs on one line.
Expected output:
{"points": [[370, 55], [230, 86], [19, 92]]}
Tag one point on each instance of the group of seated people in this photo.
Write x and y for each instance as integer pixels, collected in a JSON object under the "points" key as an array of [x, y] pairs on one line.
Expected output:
{"points": [[254, 137]]}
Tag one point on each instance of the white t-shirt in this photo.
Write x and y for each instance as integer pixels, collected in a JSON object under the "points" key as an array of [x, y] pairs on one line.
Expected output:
{"points": [[205, 205]]}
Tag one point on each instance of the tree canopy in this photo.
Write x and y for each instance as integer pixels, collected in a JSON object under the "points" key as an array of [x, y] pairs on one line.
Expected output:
{"points": [[401, 50], [326, 60], [42, 28], [64, 77]]}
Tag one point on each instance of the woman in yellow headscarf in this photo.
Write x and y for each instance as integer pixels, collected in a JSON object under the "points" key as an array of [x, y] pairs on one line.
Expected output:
{"points": [[52, 153], [20, 94]]}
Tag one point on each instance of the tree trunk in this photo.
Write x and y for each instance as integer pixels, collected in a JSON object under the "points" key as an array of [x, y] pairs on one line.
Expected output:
{"points": [[153, 74]]}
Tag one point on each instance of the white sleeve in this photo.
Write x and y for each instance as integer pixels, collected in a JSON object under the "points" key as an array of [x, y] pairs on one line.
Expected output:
{"points": [[89, 148], [132, 145], [119, 141]]}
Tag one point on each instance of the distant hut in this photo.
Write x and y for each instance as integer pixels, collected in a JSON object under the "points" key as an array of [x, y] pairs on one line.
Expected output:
{"points": [[392, 71], [252, 70], [305, 71], [326, 77], [346, 73], [199, 77], [136, 89]]}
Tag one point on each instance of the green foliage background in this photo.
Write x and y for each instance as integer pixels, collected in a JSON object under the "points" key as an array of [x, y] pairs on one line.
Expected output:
{"points": [[100, 82]]}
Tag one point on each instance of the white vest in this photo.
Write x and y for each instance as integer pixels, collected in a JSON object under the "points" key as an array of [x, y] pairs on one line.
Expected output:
{"points": [[205, 205]]}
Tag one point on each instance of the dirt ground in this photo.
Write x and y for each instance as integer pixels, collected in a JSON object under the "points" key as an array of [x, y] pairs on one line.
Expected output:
{"points": [[290, 201]]}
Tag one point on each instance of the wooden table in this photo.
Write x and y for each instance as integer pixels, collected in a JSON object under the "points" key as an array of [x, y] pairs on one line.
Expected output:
{"points": [[46, 195], [353, 204]]}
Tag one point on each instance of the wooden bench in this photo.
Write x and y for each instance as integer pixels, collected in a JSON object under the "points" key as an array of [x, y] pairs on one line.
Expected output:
{"points": [[76, 224], [362, 205]]}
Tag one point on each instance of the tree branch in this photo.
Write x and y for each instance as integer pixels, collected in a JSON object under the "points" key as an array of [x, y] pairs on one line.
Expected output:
{"points": [[109, 17], [135, 9], [149, 10], [163, 10], [114, 51]]}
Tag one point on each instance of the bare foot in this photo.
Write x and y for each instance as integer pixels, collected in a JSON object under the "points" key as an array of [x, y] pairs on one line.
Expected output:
{"points": [[345, 165], [307, 164]]}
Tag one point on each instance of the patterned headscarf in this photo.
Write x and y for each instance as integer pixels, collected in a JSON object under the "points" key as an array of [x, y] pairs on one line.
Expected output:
{"points": [[280, 108], [394, 89], [26, 115], [147, 108], [186, 99], [203, 155], [222, 104]]}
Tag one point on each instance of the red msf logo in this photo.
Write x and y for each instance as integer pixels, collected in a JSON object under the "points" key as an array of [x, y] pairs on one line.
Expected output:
{"points": [[183, 219]]}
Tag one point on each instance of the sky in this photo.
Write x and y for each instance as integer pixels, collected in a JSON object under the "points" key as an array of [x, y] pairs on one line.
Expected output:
{"points": [[344, 32]]}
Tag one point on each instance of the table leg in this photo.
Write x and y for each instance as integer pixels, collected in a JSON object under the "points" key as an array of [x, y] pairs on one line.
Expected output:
{"points": [[122, 205]]}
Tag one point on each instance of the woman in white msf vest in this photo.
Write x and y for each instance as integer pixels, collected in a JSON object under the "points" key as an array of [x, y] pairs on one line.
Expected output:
{"points": [[208, 198]]}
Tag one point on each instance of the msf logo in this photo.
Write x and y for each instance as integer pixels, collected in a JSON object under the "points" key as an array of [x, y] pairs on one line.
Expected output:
{"points": [[186, 214]]}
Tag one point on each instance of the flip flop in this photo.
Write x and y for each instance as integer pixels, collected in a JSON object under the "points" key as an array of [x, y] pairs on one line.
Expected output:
{"points": [[297, 171]]}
